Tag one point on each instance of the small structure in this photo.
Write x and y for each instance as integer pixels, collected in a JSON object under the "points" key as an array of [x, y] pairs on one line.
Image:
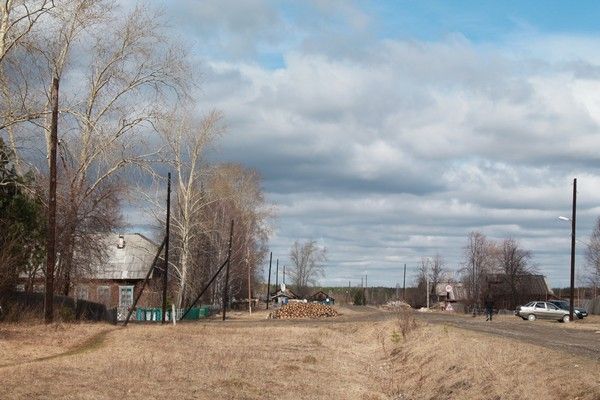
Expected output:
{"points": [[451, 295], [321, 297], [283, 296]]}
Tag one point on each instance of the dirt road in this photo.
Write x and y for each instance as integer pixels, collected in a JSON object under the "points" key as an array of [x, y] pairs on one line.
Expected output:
{"points": [[549, 334], [575, 340]]}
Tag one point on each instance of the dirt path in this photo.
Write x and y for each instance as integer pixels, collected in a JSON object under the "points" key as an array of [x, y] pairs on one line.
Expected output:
{"points": [[90, 344]]}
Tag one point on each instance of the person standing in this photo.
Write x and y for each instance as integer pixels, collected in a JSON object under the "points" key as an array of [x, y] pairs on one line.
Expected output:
{"points": [[489, 308]]}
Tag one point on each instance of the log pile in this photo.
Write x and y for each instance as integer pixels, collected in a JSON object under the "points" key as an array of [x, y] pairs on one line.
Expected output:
{"points": [[304, 310]]}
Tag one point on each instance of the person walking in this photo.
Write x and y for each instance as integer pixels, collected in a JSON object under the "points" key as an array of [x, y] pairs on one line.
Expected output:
{"points": [[489, 308]]}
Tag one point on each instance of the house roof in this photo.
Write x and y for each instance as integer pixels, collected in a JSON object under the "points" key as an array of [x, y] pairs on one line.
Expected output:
{"points": [[531, 283], [320, 296], [132, 261], [285, 293], [457, 291]]}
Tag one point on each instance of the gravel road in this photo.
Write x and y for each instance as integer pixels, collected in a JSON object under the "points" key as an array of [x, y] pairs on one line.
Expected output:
{"points": [[550, 334]]}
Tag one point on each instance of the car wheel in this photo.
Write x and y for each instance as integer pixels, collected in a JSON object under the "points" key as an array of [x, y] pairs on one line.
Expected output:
{"points": [[531, 317], [566, 318]]}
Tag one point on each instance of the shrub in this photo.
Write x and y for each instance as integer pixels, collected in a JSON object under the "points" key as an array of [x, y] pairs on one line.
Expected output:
{"points": [[359, 298]]}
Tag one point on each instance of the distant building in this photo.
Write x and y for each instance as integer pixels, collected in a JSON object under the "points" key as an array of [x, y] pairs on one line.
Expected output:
{"points": [[451, 295], [283, 296], [321, 297], [508, 293]]}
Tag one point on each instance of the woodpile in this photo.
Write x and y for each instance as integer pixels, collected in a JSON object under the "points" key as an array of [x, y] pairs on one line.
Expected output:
{"points": [[304, 310]]}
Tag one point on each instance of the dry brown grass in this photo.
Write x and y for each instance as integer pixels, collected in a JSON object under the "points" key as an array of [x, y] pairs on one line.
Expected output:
{"points": [[442, 362], [262, 359]]}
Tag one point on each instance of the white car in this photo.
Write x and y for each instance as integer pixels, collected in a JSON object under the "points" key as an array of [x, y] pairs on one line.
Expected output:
{"points": [[543, 310]]}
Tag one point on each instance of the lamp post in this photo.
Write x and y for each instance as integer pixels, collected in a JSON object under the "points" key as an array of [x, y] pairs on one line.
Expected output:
{"points": [[573, 220]]}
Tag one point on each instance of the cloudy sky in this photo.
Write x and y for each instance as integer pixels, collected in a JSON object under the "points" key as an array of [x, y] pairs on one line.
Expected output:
{"points": [[389, 130]]}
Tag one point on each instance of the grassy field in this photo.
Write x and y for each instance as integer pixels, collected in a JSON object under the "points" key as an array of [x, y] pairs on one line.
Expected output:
{"points": [[253, 358]]}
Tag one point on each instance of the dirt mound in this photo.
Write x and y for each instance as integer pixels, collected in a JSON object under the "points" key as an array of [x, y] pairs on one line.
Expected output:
{"points": [[304, 310]]}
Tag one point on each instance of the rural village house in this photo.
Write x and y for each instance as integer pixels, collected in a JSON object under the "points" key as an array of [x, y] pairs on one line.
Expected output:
{"points": [[321, 297], [283, 295], [118, 279]]}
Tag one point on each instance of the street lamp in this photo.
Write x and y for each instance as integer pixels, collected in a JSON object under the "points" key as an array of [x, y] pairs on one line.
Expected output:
{"points": [[573, 219]]}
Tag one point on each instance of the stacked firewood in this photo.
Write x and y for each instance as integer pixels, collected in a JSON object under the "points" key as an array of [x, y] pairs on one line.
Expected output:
{"points": [[304, 310]]}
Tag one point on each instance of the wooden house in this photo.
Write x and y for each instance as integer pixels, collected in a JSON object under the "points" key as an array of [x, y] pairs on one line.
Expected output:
{"points": [[116, 281], [507, 293], [321, 297], [283, 296], [118, 278], [450, 295]]}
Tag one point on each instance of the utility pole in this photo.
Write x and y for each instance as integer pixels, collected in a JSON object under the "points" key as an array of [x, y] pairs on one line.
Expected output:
{"points": [[366, 285], [226, 288], [404, 285], [284, 274], [269, 281], [428, 292], [348, 295], [474, 288], [51, 235], [573, 219], [277, 277], [165, 276], [249, 282]]}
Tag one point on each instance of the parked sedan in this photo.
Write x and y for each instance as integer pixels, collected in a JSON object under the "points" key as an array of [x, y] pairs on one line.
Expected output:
{"points": [[580, 312], [543, 310]]}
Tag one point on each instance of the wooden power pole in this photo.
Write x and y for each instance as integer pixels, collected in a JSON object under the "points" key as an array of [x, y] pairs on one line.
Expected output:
{"points": [[269, 280], [51, 235], [165, 276], [226, 286]]}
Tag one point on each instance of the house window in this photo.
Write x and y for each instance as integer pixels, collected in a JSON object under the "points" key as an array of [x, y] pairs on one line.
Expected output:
{"points": [[81, 293], [103, 294], [125, 296]]}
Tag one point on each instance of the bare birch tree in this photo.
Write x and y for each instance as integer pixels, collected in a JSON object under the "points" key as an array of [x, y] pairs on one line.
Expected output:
{"points": [[479, 261], [592, 256], [308, 264], [186, 139], [514, 263], [17, 19], [129, 69], [17, 105]]}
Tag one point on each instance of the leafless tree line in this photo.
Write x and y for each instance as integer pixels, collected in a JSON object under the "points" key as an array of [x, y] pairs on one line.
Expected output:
{"points": [[495, 267], [126, 109]]}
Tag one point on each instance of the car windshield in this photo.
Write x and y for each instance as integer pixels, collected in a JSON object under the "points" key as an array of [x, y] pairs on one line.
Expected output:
{"points": [[562, 304]]}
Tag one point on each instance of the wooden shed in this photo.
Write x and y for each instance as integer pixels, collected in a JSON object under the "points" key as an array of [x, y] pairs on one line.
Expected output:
{"points": [[322, 297]]}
